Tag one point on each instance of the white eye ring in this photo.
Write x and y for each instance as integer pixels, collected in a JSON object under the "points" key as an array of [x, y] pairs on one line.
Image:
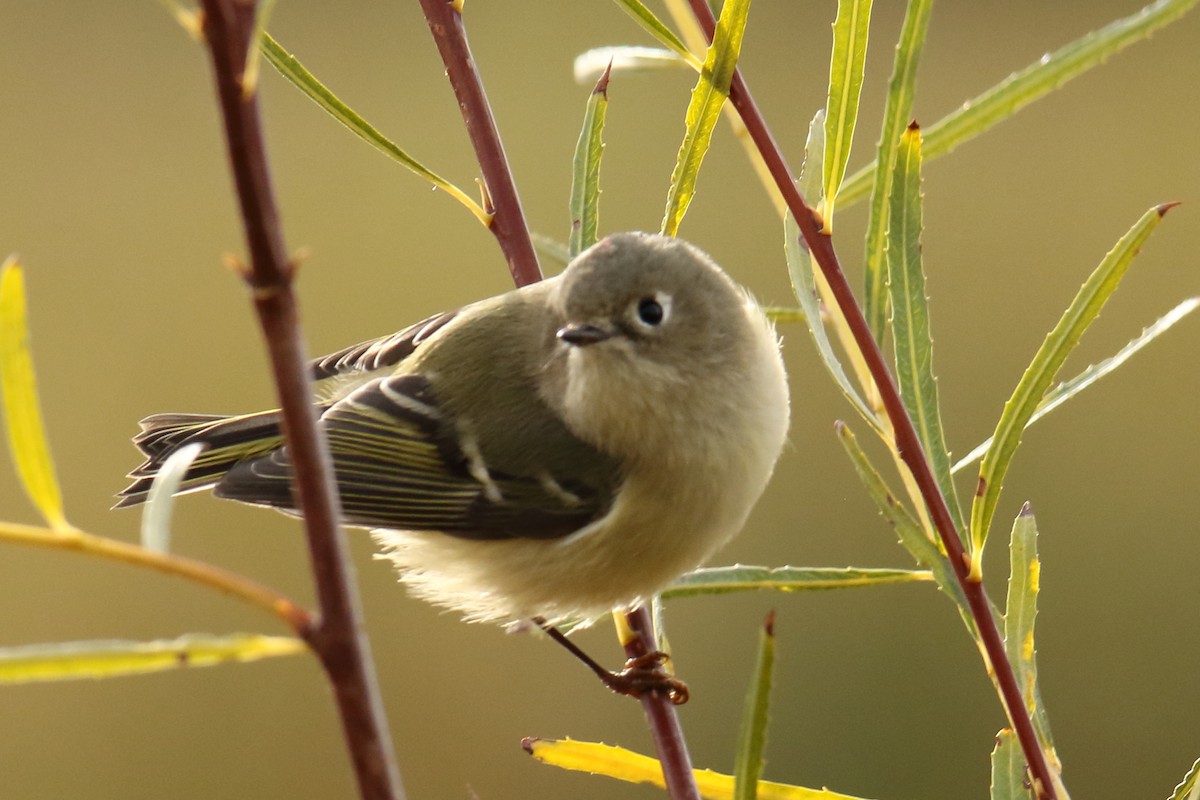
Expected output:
{"points": [[651, 311]]}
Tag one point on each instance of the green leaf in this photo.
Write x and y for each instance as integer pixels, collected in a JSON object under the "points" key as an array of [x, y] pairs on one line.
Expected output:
{"points": [[1187, 788], [631, 767], [585, 177], [110, 659], [752, 740], [897, 111], [800, 269], [291, 68], [704, 110], [744, 578], [591, 64], [1008, 768], [1032, 83], [910, 316], [1020, 613], [23, 417], [846, 64], [912, 536], [654, 26], [1068, 389], [1045, 365]]}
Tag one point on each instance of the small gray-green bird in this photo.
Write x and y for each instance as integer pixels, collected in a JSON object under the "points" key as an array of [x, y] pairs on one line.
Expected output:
{"points": [[558, 451]]}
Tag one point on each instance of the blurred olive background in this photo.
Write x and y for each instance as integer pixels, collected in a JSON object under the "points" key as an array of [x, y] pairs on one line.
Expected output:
{"points": [[114, 189]]}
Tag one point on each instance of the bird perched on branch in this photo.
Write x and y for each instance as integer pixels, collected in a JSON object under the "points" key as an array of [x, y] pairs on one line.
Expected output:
{"points": [[557, 452]]}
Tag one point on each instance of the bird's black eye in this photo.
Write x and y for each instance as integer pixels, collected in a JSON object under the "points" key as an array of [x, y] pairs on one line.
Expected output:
{"points": [[650, 311]]}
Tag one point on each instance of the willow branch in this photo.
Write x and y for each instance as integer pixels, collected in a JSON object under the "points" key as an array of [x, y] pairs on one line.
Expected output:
{"points": [[337, 638], [512, 234], [500, 192], [908, 444]]}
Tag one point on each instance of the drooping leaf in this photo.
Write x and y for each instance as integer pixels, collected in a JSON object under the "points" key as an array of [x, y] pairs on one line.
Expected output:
{"points": [[1048, 73], [110, 659], [27, 440], [846, 64], [704, 110], [752, 739], [1068, 389], [897, 111], [591, 64], [291, 68], [745, 578], [655, 27], [160, 500], [585, 176], [626, 765], [1058, 344], [911, 330]]}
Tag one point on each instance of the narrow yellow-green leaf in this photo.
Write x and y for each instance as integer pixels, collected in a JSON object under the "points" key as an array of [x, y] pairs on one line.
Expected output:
{"points": [[1189, 787], [1020, 613], [655, 27], [23, 417], [897, 111], [911, 330], [1008, 769], [1051, 71], [846, 64], [752, 739], [291, 68], [1045, 365], [591, 64], [912, 536], [110, 659], [1068, 389], [188, 18], [585, 177], [626, 765], [704, 109], [745, 578], [800, 269]]}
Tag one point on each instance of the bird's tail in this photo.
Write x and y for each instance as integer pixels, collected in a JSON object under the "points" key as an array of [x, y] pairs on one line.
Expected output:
{"points": [[227, 441]]}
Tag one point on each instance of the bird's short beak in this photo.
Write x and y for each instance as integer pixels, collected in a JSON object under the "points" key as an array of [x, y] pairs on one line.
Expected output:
{"points": [[582, 335]]}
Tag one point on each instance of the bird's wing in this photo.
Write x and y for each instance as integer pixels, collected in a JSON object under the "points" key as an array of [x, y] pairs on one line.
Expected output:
{"points": [[400, 466], [386, 351]]}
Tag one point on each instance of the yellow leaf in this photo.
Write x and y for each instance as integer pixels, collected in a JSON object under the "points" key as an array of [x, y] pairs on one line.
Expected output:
{"points": [[26, 434]]}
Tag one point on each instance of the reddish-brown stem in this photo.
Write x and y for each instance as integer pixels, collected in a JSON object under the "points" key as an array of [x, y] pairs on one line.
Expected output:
{"points": [[908, 444], [512, 234], [336, 636], [508, 223], [660, 715]]}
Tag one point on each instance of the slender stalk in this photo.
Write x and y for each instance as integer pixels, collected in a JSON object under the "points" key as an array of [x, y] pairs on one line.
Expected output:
{"points": [[294, 616], [660, 714], [908, 444], [230, 27], [500, 192], [512, 234]]}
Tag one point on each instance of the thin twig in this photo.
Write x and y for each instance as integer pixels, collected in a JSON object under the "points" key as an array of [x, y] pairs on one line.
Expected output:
{"points": [[512, 234], [337, 638], [280, 605], [500, 192], [908, 444]]}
